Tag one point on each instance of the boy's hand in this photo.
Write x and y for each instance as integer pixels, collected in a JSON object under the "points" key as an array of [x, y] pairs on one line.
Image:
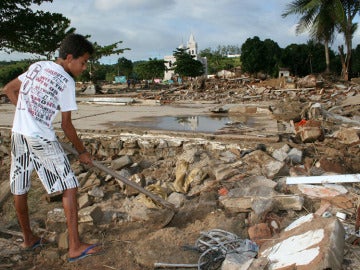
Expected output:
{"points": [[86, 158]]}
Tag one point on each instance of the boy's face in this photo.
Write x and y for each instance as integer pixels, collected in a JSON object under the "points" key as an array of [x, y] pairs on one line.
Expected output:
{"points": [[77, 65]]}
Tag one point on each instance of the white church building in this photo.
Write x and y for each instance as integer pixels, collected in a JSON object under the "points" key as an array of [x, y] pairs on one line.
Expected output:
{"points": [[192, 48]]}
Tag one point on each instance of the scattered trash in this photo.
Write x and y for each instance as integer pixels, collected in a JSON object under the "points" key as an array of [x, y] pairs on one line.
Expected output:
{"points": [[214, 245]]}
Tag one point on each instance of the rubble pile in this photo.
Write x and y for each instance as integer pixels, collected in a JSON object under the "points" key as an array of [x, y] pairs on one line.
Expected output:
{"points": [[292, 188]]}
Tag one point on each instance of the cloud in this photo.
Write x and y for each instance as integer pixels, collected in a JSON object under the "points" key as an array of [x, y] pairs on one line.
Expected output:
{"points": [[156, 28], [133, 5]]}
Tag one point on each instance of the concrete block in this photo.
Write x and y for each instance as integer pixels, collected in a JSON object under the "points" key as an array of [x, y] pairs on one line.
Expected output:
{"points": [[92, 214], [235, 261], [311, 242]]}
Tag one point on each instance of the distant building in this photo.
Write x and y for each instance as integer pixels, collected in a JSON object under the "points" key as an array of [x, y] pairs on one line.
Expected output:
{"points": [[284, 72], [192, 48], [233, 55]]}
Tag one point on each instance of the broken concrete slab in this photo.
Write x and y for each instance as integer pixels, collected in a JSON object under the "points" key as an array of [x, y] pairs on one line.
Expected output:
{"points": [[327, 190], [246, 204], [315, 243]]}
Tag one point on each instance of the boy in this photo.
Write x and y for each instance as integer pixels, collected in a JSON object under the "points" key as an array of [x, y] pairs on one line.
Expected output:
{"points": [[46, 88]]}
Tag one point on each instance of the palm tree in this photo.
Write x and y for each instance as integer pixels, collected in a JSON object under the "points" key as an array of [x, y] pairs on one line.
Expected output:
{"points": [[319, 18], [346, 26]]}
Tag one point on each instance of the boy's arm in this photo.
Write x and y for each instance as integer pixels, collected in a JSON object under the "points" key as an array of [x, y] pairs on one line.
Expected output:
{"points": [[11, 90], [71, 134]]}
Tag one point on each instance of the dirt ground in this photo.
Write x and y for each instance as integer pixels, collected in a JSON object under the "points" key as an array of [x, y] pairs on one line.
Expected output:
{"points": [[128, 245], [138, 245]]}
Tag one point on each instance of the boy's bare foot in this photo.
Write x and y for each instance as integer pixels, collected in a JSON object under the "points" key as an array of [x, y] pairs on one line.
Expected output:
{"points": [[85, 250]]}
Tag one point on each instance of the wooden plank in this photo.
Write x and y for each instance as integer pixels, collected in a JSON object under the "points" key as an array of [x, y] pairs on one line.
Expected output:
{"points": [[322, 179]]}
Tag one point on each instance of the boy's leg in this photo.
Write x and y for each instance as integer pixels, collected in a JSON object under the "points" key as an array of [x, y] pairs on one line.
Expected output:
{"points": [[22, 213], [21, 168], [76, 247]]}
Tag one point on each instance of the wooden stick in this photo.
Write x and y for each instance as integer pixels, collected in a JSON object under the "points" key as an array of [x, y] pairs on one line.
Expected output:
{"points": [[15, 233], [175, 265]]}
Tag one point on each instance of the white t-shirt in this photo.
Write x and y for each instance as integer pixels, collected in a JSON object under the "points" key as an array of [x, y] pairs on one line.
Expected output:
{"points": [[45, 90]]}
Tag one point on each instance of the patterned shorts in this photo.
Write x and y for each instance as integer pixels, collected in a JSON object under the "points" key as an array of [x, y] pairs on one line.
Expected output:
{"points": [[46, 157]]}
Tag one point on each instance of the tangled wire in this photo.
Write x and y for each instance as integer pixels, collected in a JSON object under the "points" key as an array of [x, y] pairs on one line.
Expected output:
{"points": [[215, 244]]}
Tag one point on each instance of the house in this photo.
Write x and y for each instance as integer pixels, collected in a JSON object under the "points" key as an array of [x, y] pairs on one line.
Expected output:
{"points": [[284, 72]]}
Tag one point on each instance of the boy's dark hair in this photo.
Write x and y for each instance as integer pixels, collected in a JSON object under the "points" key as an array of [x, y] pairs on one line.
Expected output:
{"points": [[75, 44]]}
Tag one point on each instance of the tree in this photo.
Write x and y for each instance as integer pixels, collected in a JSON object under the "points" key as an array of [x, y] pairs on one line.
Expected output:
{"points": [[24, 30], [347, 27], [322, 17], [186, 65], [260, 56], [125, 67], [99, 52], [271, 58], [318, 17], [149, 70], [303, 59], [355, 64]]}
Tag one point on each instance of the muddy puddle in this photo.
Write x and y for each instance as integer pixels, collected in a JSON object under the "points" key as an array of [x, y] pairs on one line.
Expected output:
{"points": [[195, 123]]}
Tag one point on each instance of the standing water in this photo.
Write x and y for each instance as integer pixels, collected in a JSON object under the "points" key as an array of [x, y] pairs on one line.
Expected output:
{"points": [[191, 123]]}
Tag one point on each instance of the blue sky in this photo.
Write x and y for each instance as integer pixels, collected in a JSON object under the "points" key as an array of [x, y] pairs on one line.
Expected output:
{"points": [[156, 28]]}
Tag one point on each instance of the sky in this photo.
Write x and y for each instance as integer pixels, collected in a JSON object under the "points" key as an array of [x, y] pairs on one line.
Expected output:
{"points": [[155, 28]]}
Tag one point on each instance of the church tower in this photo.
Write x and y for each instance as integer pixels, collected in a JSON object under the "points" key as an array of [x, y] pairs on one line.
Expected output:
{"points": [[192, 46]]}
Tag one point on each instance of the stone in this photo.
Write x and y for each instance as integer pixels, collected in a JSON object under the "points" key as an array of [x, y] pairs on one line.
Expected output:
{"points": [[223, 172], [347, 135], [146, 144], [310, 131], [295, 156], [139, 180], [177, 199], [91, 214], [96, 192], [180, 174], [281, 154], [260, 162], [261, 207], [259, 233], [84, 200], [119, 163], [90, 90], [56, 221], [331, 165], [236, 261], [63, 242]]}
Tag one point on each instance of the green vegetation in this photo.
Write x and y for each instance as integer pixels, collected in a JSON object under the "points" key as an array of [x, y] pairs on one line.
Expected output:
{"points": [[218, 59], [149, 70], [10, 70]]}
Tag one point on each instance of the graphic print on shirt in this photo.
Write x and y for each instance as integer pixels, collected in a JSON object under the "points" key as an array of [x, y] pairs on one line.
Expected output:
{"points": [[40, 93]]}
